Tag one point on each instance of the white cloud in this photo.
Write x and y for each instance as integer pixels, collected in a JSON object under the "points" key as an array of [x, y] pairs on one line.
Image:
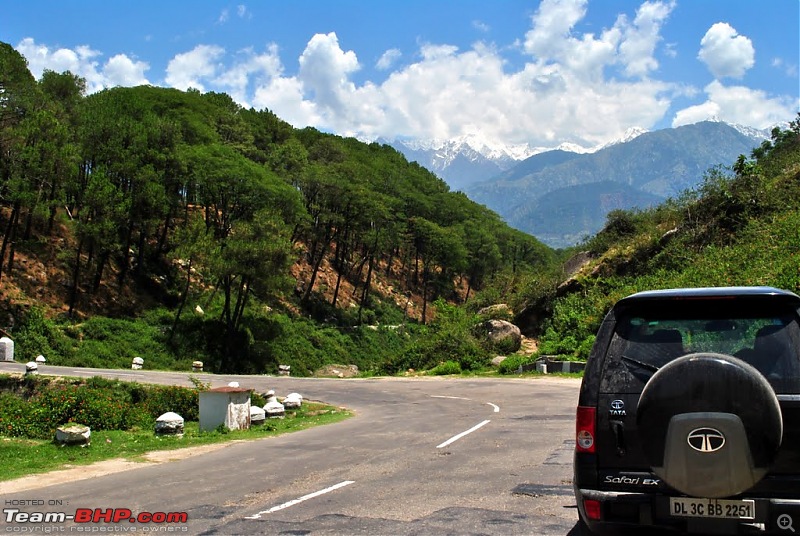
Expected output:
{"points": [[284, 96], [738, 104], [631, 45], [120, 70], [249, 67], [552, 25], [324, 71], [185, 70], [481, 26], [640, 39], [789, 69], [449, 93], [696, 113], [560, 95], [388, 59], [241, 11], [725, 52]]}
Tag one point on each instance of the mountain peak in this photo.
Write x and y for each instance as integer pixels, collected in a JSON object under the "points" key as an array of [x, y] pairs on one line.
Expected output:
{"points": [[630, 134], [472, 141]]}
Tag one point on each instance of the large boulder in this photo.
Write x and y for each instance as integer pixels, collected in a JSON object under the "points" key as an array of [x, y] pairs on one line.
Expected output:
{"points": [[293, 401], [257, 415], [504, 335], [498, 360], [337, 371], [274, 409], [73, 434], [169, 423]]}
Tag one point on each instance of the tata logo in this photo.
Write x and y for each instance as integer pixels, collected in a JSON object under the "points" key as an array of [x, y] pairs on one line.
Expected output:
{"points": [[618, 408], [706, 439]]}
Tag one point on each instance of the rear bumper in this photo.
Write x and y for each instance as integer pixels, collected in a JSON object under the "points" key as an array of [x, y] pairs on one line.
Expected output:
{"points": [[623, 509]]}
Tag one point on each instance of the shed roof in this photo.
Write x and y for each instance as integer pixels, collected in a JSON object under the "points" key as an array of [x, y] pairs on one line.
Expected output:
{"points": [[228, 389]]}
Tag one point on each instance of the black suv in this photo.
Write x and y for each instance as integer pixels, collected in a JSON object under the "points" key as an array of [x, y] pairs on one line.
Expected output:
{"points": [[689, 414]]}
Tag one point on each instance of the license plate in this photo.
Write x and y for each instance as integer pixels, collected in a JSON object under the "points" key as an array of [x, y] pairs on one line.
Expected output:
{"points": [[712, 508]]}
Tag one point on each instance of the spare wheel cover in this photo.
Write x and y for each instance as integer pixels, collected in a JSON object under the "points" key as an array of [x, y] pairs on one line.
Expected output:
{"points": [[710, 424]]}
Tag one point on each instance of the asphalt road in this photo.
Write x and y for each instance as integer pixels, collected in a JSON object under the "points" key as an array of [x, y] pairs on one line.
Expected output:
{"points": [[421, 456]]}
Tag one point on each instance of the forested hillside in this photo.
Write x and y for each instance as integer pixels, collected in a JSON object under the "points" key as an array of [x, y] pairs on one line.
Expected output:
{"points": [[182, 226], [740, 227]]}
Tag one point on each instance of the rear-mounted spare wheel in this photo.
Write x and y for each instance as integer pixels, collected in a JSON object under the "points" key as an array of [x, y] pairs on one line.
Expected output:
{"points": [[710, 425]]}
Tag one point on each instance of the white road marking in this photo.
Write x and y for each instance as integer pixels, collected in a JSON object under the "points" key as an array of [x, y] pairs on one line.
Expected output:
{"points": [[301, 499], [495, 406], [462, 434]]}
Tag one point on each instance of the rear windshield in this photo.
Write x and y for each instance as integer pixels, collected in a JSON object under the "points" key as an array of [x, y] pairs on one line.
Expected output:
{"points": [[648, 338]]}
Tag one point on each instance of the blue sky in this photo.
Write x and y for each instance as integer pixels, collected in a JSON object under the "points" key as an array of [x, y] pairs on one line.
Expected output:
{"points": [[530, 72]]}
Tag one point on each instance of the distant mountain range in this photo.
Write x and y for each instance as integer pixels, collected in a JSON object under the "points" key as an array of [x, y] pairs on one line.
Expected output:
{"points": [[463, 161], [563, 195]]}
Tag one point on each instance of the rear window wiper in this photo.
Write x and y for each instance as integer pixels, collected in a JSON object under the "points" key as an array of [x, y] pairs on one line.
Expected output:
{"points": [[642, 364]]}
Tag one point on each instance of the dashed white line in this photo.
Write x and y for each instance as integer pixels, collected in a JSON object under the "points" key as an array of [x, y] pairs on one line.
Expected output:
{"points": [[462, 434], [495, 406], [301, 499]]}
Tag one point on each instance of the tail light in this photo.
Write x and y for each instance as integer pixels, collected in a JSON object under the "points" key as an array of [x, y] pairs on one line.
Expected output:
{"points": [[593, 509], [585, 429]]}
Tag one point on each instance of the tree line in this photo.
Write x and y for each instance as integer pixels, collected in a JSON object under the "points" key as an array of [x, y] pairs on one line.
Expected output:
{"points": [[154, 181]]}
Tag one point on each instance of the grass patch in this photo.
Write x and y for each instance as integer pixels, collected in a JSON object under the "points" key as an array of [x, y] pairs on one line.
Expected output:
{"points": [[22, 457], [576, 375]]}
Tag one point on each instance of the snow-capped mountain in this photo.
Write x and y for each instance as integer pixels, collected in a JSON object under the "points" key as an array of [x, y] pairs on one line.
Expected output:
{"points": [[629, 135], [467, 160], [462, 161]]}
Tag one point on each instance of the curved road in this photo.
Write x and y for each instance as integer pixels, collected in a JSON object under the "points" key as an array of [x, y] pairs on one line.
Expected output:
{"points": [[422, 456]]}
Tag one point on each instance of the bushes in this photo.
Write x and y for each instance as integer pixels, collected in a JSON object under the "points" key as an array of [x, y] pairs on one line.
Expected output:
{"points": [[98, 403], [100, 409], [446, 368], [306, 346], [98, 342], [184, 402], [112, 343], [55, 404], [449, 337], [39, 336], [512, 363], [14, 412]]}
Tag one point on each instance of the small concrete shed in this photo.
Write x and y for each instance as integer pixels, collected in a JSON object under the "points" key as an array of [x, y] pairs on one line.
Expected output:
{"points": [[229, 406], [6, 349]]}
